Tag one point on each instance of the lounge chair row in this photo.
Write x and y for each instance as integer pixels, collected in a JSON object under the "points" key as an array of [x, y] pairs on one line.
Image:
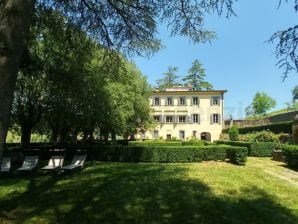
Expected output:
{"points": [[55, 163]]}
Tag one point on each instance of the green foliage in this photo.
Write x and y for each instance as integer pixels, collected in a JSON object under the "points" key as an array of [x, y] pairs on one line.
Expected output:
{"points": [[256, 149], [159, 153], [281, 127], [263, 136], [155, 143], [290, 153], [170, 78], [234, 133], [195, 142], [262, 103], [196, 77], [237, 155], [295, 93]]}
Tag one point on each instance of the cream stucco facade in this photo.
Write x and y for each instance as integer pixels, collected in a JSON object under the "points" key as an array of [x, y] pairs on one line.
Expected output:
{"points": [[183, 114]]}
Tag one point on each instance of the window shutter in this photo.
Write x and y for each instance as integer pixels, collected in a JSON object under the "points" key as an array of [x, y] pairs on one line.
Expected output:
{"points": [[187, 119], [211, 99], [191, 118], [219, 119], [199, 119], [211, 119]]}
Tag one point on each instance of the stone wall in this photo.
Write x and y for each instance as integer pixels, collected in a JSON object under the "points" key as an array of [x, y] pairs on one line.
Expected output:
{"points": [[273, 119]]}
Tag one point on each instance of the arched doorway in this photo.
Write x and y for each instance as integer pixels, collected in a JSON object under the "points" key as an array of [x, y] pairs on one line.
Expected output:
{"points": [[206, 136]]}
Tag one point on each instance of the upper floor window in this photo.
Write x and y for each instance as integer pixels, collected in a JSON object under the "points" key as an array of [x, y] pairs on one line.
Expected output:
{"points": [[181, 119], [215, 118], [169, 101], [215, 100], [156, 118], [156, 101], [182, 100], [195, 100], [169, 119], [196, 118]]}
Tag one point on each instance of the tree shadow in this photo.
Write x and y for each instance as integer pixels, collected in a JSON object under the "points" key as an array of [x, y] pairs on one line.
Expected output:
{"points": [[139, 193]]}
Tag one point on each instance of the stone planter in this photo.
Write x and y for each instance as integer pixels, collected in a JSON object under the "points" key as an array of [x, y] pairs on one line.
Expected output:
{"points": [[278, 156]]}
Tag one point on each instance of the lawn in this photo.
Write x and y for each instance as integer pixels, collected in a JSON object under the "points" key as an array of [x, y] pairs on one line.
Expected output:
{"points": [[263, 191]]}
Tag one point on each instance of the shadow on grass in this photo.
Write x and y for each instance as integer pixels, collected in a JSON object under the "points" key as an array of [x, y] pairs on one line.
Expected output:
{"points": [[136, 193]]}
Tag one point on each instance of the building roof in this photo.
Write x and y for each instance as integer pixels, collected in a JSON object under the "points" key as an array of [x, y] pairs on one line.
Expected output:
{"points": [[184, 90]]}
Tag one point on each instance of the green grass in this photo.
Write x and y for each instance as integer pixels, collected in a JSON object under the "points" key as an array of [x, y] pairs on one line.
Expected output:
{"points": [[208, 192]]}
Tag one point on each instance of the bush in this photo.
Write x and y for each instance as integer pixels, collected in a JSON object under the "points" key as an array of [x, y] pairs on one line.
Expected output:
{"points": [[237, 155], [154, 143], [194, 142], [262, 149], [257, 149], [234, 133], [290, 153]]}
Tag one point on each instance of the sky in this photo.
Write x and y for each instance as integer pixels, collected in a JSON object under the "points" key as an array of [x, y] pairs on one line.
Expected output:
{"points": [[239, 60]]}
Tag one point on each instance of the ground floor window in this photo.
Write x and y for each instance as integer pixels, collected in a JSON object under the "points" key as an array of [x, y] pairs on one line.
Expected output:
{"points": [[194, 134], [181, 135], [169, 137], [155, 134]]}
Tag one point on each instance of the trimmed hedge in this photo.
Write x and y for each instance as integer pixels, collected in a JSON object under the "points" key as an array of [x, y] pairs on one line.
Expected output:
{"points": [[277, 128], [256, 149], [237, 155], [154, 143], [159, 154], [290, 153]]}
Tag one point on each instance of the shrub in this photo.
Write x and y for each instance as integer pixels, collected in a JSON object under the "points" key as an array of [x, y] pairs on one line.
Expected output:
{"points": [[237, 155], [154, 143], [257, 149], [262, 149], [234, 133], [195, 142], [265, 136], [290, 153]]}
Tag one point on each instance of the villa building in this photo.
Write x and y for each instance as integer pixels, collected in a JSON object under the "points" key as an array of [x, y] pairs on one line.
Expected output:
{"points": [[181, 113]]}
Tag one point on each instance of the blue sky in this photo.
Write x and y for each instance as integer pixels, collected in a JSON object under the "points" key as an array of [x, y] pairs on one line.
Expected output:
{"points": [[239, 60]]}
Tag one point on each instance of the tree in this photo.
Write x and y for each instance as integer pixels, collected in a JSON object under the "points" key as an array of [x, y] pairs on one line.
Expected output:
{"points": [[286, 49], [295, 93], [262, 103], [170, 78], [130, 26], [196, 77]]}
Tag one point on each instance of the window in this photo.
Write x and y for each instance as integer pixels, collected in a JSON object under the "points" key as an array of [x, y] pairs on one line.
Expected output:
{"points": [[169, 101], [182, 100], [169, 119], [181, 119], [195, 100], [196, 118], [181, 135], [194, 134], [156, 101], [155, 134], [215, 100], [215, 118], [156, 118]]}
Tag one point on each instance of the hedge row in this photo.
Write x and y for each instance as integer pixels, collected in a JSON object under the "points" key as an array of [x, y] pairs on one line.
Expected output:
{"points": [[256, 149], [154, 143], [160, 154], [277, 128], [163, 154], [290, 153]]}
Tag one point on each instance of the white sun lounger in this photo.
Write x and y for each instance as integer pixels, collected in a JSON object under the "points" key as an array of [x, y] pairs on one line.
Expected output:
{"points": [[55, 163], [5, 164], [77, 162], [30, 162]]}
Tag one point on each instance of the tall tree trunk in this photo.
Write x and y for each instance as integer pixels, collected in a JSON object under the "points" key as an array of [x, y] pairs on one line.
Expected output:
{"points": [[15, 18], [26, 136]]}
